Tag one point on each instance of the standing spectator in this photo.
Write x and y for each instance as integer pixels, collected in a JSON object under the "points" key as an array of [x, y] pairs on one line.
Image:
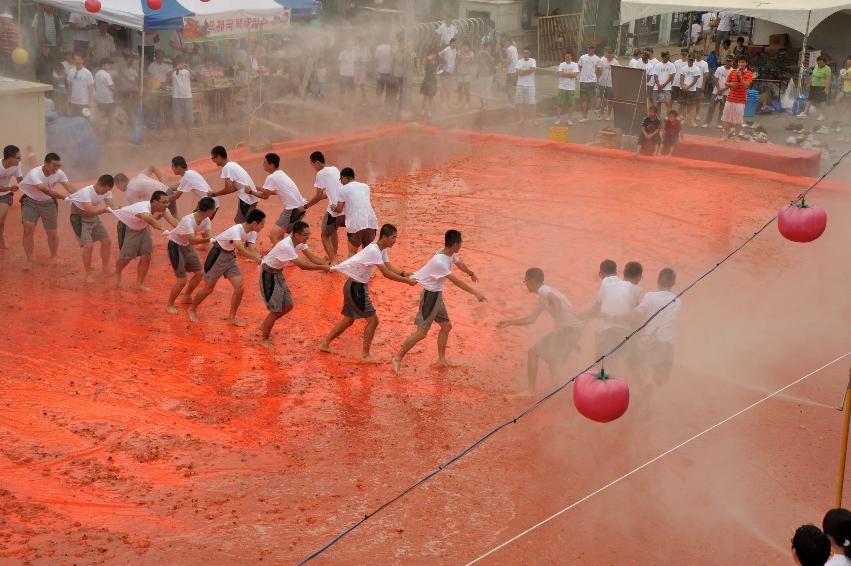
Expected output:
{"points": [[149, 45], [485, 74], [105, 95], [448, 64], [689, 78], [9, 40], [725, 24], [181, 96], [446, 32], [819, 87], [650, 66], [635, 60], [103, 45], [346, 68], [725, 50], [707, 25], [649, 138], [675, 88], [428, 88], [464, 73], [738, 82], [384, 68], [158, 68], [83, 25], [671, 132], [362, 56], [525, 94], [44, 64], [48, 27], [704, 78], [696, 30], [566, 98], [511, 58], [587, 81], [740, 48], [402, 68], [663, 80], [604, 80], [719, 92], [68, 62], [810, 546], [81, 85], [843, 97], [837, 527], [128, 81]]}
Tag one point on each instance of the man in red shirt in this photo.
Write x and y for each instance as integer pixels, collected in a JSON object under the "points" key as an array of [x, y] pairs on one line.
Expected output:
{"points": [[738, 82]]}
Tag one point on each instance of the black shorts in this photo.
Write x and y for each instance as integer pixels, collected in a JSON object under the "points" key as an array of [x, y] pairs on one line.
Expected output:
{"points": [[817, 94]]}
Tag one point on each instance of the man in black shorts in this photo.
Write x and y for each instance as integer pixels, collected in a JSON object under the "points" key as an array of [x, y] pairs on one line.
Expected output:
{"points": [[327, 185]]}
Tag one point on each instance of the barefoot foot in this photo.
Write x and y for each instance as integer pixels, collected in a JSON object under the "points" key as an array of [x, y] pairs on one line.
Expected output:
{"points": [[90, 278], [171, 309], [192, 316], [266, 343], [236, 322], [325, 347], [28, 266], [369, 359], [397, 365]]}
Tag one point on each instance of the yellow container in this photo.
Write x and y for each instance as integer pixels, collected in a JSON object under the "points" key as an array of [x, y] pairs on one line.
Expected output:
{"points": [[559, 133]]}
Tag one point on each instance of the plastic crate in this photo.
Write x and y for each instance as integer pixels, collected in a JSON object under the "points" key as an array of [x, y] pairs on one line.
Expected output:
{"points": [[559, 134]]}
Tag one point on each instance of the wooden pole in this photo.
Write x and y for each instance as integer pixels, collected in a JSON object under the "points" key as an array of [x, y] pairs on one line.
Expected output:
{"points": [[840, 479]]}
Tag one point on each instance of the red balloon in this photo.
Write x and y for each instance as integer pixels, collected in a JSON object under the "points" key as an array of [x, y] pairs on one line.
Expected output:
{"points": [[155, 4], [801, 222], [93, 6], [600, 397]]}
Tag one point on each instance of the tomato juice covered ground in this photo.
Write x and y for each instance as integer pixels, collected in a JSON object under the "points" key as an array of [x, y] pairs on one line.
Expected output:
{"points": [[129, 435]]}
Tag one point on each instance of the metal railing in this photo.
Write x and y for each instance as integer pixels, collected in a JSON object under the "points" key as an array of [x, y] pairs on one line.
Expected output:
{"points": [[557, 34]]}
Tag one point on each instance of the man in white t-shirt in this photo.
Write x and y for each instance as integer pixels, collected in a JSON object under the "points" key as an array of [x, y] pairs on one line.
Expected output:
{"points": [[604, 81], [190, 182], [707, 28], [587, 81], [87, 205], [273, 286], [719, 92], [221, 262], [690, 76], [356, 205], [432, 276], [676, 91], [524, 94], [383, 55], [725, 25], [556, 346], [81, 88], [356, 302], [134, 234], [511, 58], [105, 96], [656, 342], [158, 68], [10, 176], [39, 202], [327, 185], [83, 26], [181, 96], [568, 70], [446, 73], [194, 229], [701, 83], [237, 180], [663, 81], [281, 185]]}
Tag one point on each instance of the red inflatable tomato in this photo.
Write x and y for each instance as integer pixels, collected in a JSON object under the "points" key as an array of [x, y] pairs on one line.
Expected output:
{"points": [[801, 222], [92, 6], [155, 4], [600, 397]]}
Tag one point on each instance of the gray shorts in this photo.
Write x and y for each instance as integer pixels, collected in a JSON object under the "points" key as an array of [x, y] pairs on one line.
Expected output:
{"points": [[88, 229], [242, 210], [181, 110], [183, 259], [361, 238], [220, 262], [288, 218], [134, 243], [330, 224], [657, 359], [47, 210], [7, 199], [274, 289], [356, 302], [555, 347], [432, 309], [660, 96]]}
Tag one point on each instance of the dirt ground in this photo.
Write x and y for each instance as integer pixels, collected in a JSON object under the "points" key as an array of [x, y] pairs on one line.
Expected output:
{"points": [[131, 436]]}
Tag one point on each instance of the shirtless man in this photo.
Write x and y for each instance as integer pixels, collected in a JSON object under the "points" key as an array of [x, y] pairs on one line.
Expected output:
{"points": [[221, 262], [356, 301]]}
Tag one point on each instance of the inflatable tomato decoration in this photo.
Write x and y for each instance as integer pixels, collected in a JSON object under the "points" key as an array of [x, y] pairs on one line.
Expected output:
{"points": [[600, 397], [801, 222], [92, 6], [155, 4]]}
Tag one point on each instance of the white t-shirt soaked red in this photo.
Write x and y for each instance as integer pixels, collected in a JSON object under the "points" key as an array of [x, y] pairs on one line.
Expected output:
{"points": [[193, 182], [188, 226], [283, 253], [328, 179], [432, 276], [663, 327], [285, 189], [36, 176], [241, 179], [128, 215], [358, 209], [617, 298], [566, 316], [87, 194], [360, 266], [235, 233], [6, 176]]}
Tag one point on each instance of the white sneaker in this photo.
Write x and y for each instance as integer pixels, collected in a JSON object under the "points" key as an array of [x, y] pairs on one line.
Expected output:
{"points": [[720, 127], [801, 116], [812, 109], [583, 120], [705, 125], [557, 123], [569, 123], [820, 118]]}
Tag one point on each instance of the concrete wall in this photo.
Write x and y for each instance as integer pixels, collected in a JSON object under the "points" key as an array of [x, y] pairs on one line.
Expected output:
{"points": [[22, 115]]}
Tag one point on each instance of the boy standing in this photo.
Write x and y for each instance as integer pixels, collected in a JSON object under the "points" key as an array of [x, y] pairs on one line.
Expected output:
{"points": [[719, 91], [587, 81], [525, 93], [671, 132], [221, 261], [193, 229], [649, 138], [273, 287], [356, 301], [663, 80], [567, 73], [105, 95], [432, 276], [555, 347], [87, 205], [738, 82]]}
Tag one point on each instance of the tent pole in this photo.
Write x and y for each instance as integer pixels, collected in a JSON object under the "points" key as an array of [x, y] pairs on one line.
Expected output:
{"points": [[803, 54], [141, 70]]}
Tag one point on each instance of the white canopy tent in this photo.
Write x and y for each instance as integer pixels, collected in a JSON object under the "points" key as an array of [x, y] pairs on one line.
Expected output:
{"points": [[795, 14]]}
